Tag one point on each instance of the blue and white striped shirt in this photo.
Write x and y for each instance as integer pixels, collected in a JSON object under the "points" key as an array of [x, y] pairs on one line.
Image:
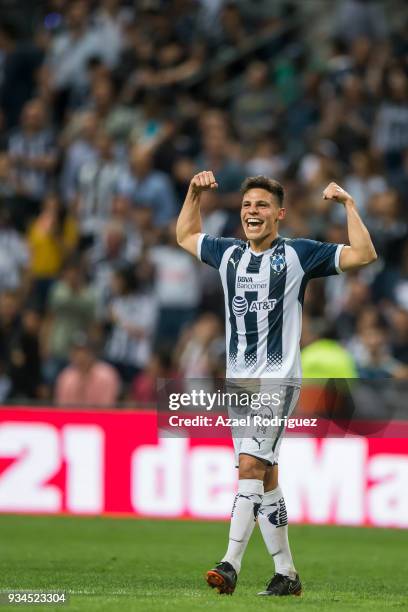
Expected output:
{"points": [[263, 300]]}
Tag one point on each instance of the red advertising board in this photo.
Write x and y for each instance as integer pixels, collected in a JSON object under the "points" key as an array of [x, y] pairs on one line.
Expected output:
{"points": [[86, 462]]}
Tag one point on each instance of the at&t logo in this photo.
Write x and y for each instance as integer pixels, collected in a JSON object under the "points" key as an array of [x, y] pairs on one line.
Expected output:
{"points": [[239, 306]]}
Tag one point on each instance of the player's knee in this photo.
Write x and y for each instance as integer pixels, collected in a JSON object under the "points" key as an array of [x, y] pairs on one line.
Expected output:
{"points": [[251, 467]]}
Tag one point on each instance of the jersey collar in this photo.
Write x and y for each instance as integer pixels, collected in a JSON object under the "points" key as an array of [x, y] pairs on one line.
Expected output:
{"points": [[273, 244]]}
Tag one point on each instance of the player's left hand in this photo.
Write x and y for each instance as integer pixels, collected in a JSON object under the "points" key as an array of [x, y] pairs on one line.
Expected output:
{"points": [[335, 192]]}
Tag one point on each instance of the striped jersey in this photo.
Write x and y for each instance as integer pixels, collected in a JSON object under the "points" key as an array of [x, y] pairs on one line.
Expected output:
{"points": [[263, 300]]}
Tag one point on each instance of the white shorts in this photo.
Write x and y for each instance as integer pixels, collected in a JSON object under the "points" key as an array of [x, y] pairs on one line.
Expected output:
{"points": [[264, 442]]}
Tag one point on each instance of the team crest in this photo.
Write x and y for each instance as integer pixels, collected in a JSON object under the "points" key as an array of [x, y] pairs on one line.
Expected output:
{"points": [[278, 262]]}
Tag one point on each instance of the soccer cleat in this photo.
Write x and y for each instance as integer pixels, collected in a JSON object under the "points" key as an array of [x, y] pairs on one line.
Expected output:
{"points": [[281, 585], [222, 577]]}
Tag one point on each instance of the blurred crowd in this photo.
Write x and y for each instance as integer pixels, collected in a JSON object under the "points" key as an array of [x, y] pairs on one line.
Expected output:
{"points": [[108, 108]]}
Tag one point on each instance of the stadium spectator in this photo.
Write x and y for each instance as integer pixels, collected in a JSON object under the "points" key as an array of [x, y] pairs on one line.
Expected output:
{"points": [[33, 156], [390, 136], [25, 359], [110, 19], [144, 186], [356, 297], [362, 180], [324, 361], [71, 309], [176, 286], [400, 285], [80, 148], [14, 256], [9, 193], [144, 385], [71, 50], [10, 327], [399, 333], [315, 170], [254, 109], [21, 60], [373, 356], [194, 353], [87, 381], [7, 184], [388, 229], [268, 158], [218, 153], [149, 127], [132, 315], [97, 185], [232, 28], [348, 118], [117, 247], [356, 18], [399, 178], [137, 54], [20, 357], [51, 238], [339, 64], [322, 355], [115, 118]]}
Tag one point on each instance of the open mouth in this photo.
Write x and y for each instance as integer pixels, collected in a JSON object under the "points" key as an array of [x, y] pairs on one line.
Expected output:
{"points": [[254, 223]]}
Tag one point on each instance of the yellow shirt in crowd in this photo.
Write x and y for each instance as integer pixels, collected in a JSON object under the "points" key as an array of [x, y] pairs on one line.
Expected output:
{"points": [[49, 249]]}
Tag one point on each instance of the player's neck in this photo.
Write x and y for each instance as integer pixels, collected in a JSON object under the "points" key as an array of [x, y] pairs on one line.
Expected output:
{"points": [[259, 246]]}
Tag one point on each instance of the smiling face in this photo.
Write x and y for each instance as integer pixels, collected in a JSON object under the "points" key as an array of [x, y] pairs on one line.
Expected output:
{"points": [[260, 214]]}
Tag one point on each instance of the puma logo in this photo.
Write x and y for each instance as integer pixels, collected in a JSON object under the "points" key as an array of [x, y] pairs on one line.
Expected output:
{"points": [[234, 263], [259, 442]]}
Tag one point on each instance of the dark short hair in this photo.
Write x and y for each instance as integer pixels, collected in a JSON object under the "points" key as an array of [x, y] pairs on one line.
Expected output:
{"points": [[264, 182]]}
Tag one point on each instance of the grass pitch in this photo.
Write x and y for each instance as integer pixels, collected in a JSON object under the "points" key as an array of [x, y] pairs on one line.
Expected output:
{"points": [[133, 565]]}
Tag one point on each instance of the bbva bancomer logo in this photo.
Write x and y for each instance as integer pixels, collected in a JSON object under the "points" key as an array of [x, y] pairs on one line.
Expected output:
{"points": [[240, 305]]}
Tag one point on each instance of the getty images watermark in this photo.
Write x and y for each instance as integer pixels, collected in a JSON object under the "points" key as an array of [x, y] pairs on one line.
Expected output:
{"points": [[245, 408], [312, 407], [211, 400]]}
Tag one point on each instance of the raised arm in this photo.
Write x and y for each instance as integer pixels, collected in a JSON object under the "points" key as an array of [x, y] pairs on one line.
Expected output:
{"points": [[361, 250], [189, 220]]}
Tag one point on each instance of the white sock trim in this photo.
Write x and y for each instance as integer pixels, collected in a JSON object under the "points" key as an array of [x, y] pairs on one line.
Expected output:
{"points": [[271, 497], [250, 486]]}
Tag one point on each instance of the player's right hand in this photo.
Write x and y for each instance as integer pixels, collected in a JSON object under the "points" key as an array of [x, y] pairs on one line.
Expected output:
{"points": [[203, 181]]}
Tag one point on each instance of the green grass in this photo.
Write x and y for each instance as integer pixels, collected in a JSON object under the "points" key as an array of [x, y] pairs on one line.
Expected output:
{"points": [[131, 565]]}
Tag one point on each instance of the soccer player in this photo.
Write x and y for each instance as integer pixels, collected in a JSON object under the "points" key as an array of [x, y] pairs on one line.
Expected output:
{"points": [[264, 281]]}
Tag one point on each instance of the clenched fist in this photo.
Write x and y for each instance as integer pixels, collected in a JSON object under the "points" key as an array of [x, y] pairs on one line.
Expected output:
{"points": [[335, 192], [203, 181]]}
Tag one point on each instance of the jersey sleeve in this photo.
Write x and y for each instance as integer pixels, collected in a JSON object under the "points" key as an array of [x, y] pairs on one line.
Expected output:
{"points": [[210, 249], [318, 259]]}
